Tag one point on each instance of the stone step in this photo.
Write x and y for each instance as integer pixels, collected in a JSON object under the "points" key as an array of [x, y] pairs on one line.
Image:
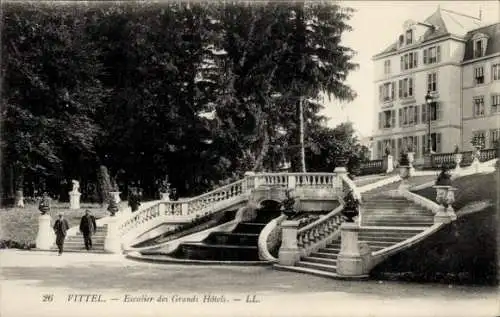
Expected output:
{"points": [[380, 238], [388, 230], [327, 255], [397, 224], [329, 249], [306, 270], [232, 238], [322, 260], [394, 210], [378, 243], [317, 266], [249, 227], [201, 251]]}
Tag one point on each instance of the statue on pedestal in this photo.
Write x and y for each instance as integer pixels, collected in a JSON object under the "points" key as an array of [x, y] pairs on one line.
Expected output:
{"points": [[76, 186]]}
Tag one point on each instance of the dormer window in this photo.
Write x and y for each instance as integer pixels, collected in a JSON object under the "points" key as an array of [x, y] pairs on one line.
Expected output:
{"points": [[480, 41], [401, 40], [409, 37]]}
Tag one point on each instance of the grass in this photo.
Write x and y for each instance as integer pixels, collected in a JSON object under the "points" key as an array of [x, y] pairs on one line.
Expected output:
{"points": [[20, 225], [464, 251]]}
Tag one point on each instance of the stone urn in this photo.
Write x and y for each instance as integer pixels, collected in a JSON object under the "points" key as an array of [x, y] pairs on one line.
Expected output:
{"points": [[411, 157], [351, 207], [113, 207], [288, 206], [44, 205], [341, 161]]}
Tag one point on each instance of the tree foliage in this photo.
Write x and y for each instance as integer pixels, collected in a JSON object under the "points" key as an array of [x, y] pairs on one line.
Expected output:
{"points": [[201, 92]]}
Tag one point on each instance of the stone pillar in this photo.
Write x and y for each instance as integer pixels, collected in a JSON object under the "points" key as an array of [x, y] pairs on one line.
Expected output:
{"points": [[292, 182], [340, 172], [116, 196], [112, 243], [404, 173], [350, 262], [389, 163], [45, 237], [74, 200], [458, 160], [289, 252]]}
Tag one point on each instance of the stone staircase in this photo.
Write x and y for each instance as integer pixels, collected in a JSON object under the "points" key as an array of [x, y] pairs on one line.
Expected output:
{"points": [[75, 243], [386, 221]]}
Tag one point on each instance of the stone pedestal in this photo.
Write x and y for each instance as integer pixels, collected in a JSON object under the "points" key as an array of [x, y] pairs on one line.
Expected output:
{"points": [[427, 161], [411, 159], [289, 252], [74, 200], [445, 215], [458, 160], [116, 196], [351, 262], [475, 165], [45, 237], [112, 243], [389, 163], [404, 172], [165, 196]]}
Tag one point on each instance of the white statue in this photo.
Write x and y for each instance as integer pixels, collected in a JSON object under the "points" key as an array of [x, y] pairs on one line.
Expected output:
{"points": [[76, 186]]}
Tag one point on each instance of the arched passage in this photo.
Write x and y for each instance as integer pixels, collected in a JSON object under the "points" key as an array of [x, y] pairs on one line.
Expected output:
{"points": [[269, 209]]}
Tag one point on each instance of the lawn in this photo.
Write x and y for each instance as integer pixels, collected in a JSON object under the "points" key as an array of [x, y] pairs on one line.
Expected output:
{"points": [[464, 251], [18, 226]]}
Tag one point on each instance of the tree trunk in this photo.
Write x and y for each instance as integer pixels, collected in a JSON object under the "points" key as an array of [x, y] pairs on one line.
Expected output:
{"points": [[301, 136], [263, 152]]}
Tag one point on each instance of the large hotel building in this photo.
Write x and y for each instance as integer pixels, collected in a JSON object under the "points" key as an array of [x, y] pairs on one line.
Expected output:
{"points": [[453, 59]]}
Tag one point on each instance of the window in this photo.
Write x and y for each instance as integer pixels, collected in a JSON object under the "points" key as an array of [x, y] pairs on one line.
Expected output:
{"points": [[478, 48], [424, 113], [423, 144], [495, 103], [386, 92], [478, 106], [405, 88], [432, 55], [494, 137], [479, 137], [401, 40], [436, 142], [387, 119], [416, 114], [408, 116], [479, 75], [435, 111], [409, 37], [387, 67], [495, 72], [432, 82], [409, 61], [380, 151]]}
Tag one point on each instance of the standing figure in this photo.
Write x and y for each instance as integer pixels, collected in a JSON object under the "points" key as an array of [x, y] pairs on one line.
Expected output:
{"points": [[61, 226], [88, 227], [173, 195]]}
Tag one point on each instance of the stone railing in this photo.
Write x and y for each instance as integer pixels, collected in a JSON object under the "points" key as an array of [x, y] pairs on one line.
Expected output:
{"points": [[311, 235], [185, 209], [372, 167], [448, 159]]}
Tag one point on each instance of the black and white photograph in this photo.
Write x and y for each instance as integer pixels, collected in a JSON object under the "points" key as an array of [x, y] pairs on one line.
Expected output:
{"points": [[250, 158]]}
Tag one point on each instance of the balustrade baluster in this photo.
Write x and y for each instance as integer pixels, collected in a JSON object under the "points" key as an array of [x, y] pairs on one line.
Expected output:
{"points": [[300, 242]]}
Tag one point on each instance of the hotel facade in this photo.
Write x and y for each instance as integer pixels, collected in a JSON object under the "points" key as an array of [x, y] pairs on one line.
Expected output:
{"points": [[446, 69]]}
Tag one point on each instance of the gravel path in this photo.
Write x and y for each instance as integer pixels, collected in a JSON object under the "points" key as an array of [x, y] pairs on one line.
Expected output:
{"points": [[28, 276]]}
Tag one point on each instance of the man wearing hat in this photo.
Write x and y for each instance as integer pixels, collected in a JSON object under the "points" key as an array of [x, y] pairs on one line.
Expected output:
{"points": [[61, 226], [87, 228]]}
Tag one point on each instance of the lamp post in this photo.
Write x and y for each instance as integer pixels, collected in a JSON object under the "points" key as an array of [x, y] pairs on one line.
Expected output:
{"points": [[428, 154]]}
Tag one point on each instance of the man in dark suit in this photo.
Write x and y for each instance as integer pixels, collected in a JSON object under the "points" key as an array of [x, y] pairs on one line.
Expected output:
{"points": [[61, 226], [88, 227]]}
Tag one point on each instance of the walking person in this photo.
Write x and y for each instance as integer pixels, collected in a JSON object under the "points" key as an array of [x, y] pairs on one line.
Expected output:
{"points": [[61, 226], [88, 227]]}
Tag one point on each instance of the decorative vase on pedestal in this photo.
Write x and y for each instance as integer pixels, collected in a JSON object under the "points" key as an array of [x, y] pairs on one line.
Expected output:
{"points": [[115, 195], [165, 196], [288, 205], [113, 207], [45, 235], [351, 207]]}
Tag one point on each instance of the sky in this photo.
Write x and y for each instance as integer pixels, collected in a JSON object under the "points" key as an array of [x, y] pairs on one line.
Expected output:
{"points": [[376, 25]]}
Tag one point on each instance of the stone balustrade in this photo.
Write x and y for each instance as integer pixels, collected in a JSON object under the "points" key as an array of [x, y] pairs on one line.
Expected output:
{"points": [[449, 160], [372, 167], [319, 230], [239, 191]]}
